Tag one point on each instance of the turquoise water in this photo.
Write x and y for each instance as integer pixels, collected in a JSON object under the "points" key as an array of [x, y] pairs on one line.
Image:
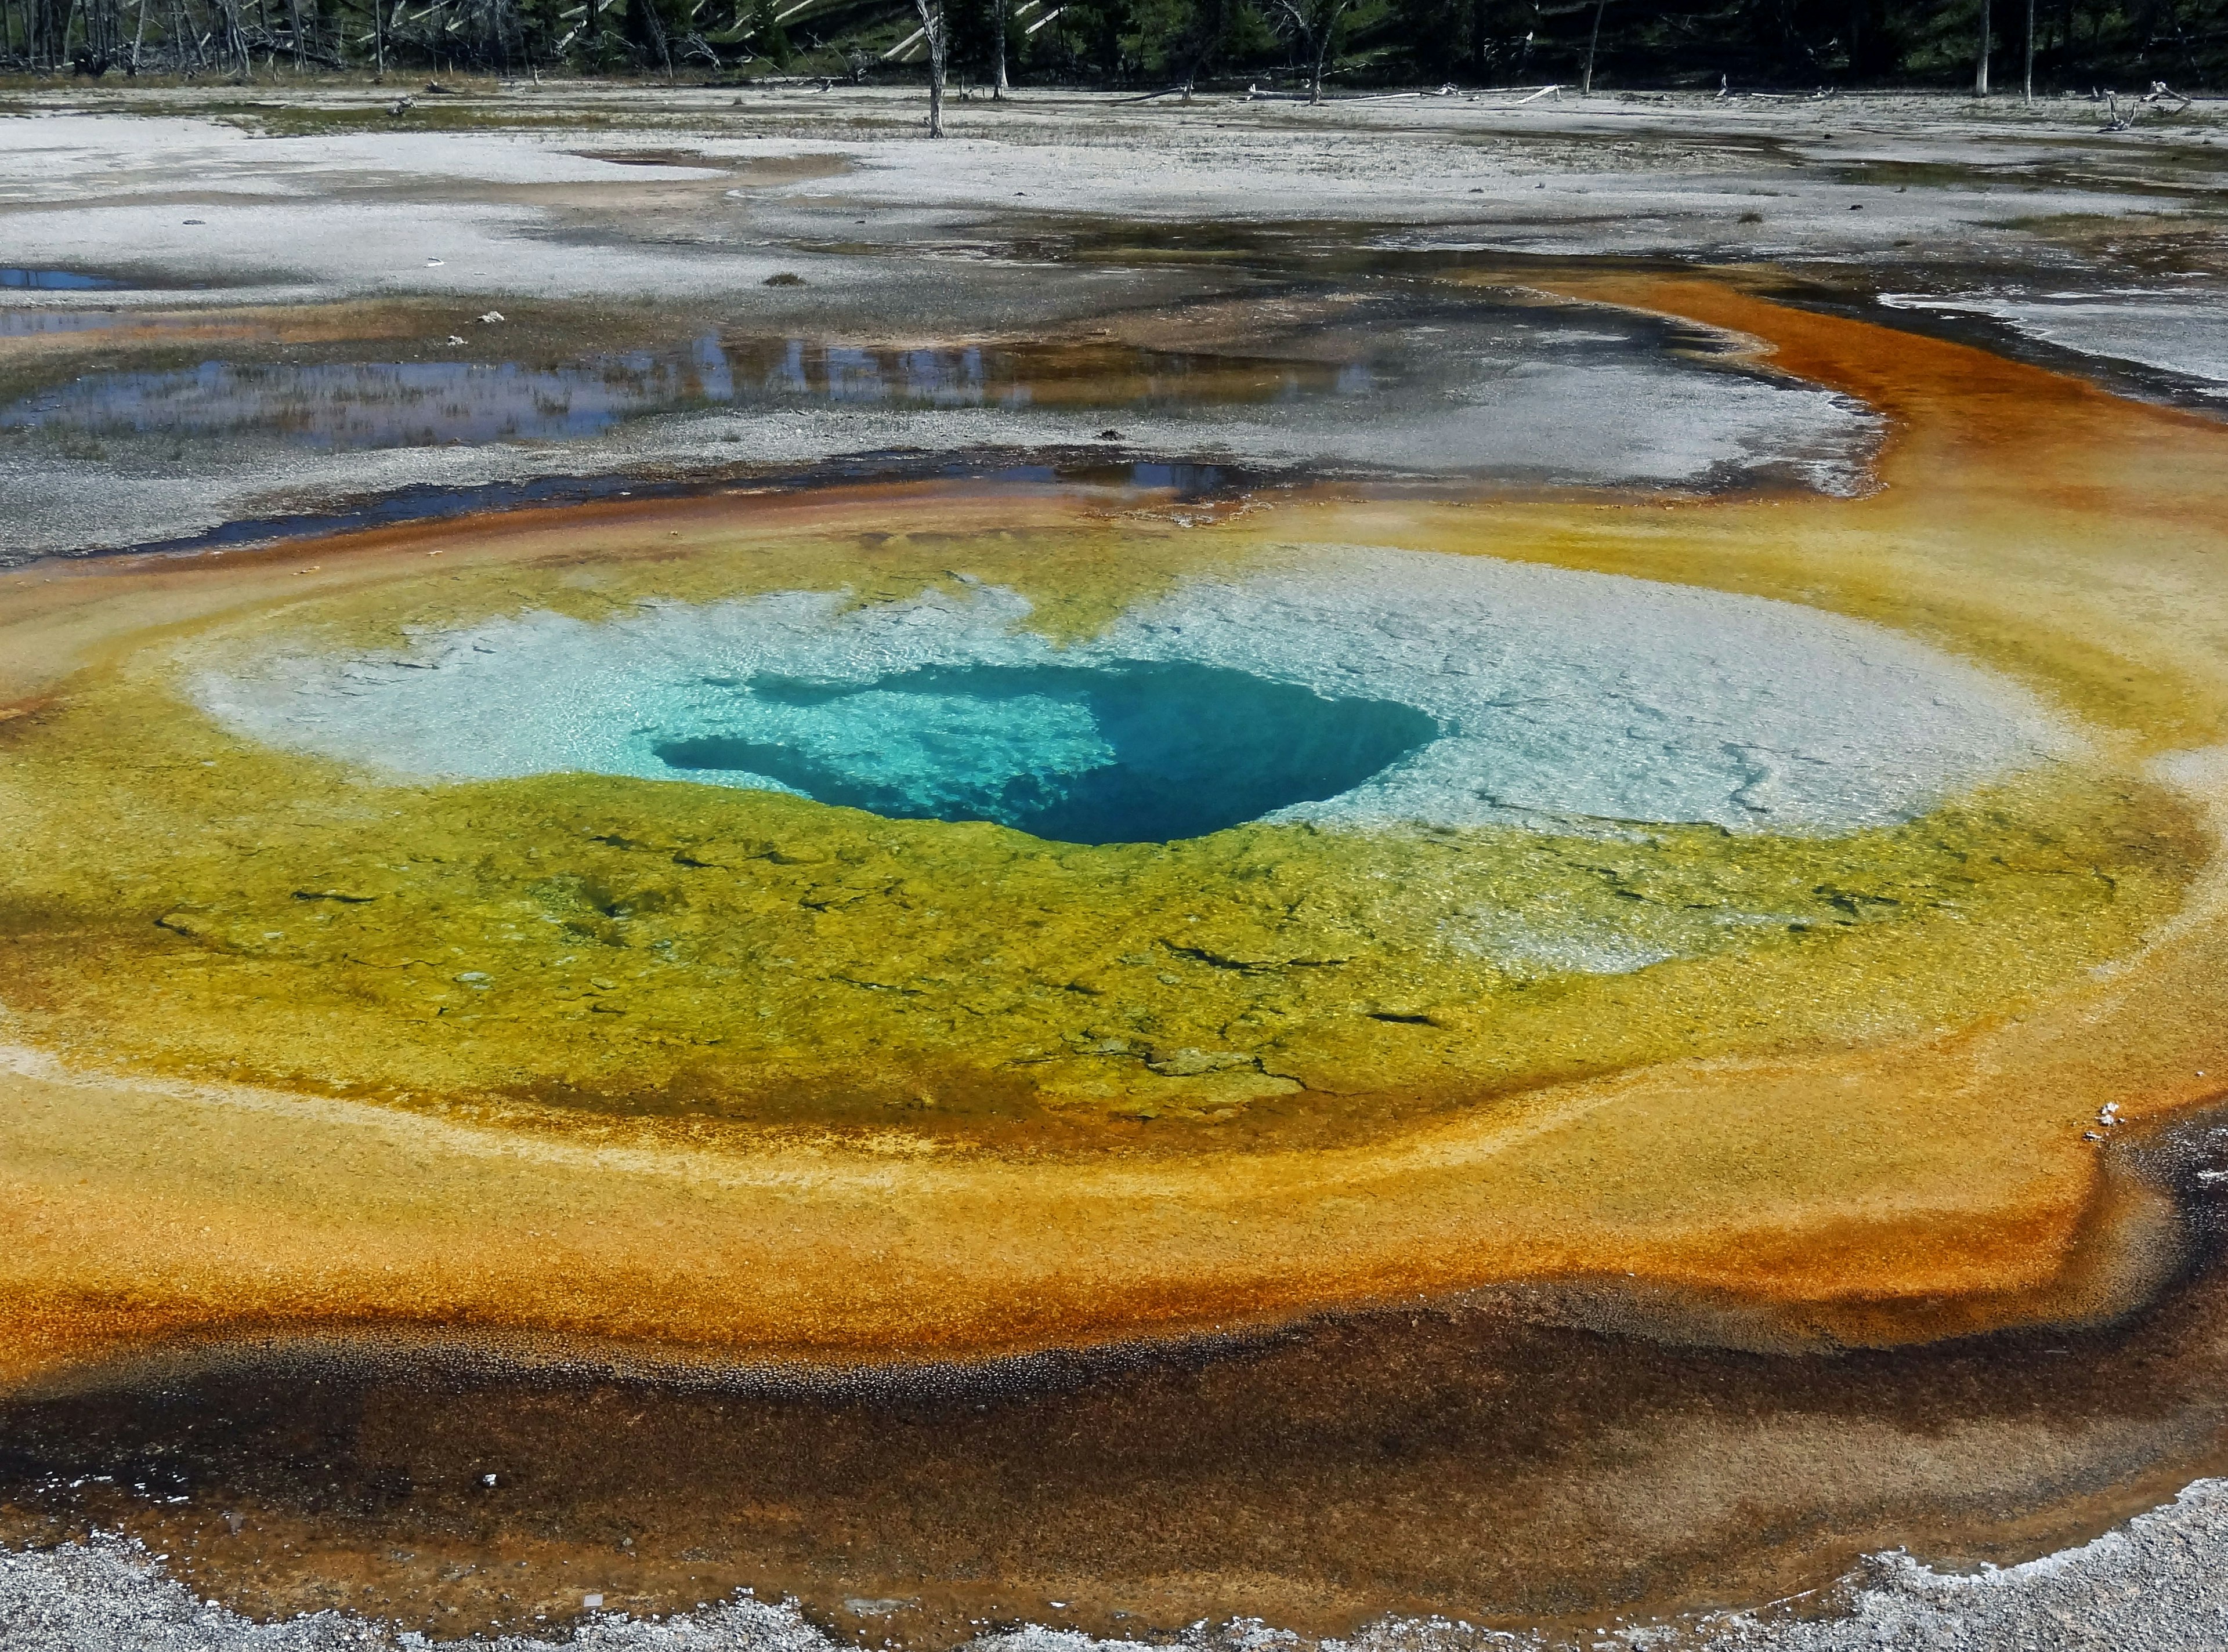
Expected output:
{"points": [[1129, 751]]}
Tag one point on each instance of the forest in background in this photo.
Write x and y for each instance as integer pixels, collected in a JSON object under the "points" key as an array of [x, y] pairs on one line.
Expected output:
{"points": [[2077, 45]]}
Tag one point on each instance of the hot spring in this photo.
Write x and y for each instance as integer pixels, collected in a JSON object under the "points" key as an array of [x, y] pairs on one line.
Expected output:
{"points": [[1362, 689]]}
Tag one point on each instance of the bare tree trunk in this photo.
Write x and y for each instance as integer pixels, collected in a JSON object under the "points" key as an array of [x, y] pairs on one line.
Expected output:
{"points": [[1981, 68], [657, 35], [139, 36], [1593, 40], [1322, 51], [932, 24], [294, 24], [999, 11], [2030, 51], [378, 41]]}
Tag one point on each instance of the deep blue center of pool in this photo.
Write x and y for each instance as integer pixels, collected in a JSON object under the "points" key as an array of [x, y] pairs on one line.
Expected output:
{"points": [[1132, 751]]}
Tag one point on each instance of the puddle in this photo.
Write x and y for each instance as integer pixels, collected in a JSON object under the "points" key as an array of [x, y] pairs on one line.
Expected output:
{"points": [[55, 280], [375, 403], [424, 404]]}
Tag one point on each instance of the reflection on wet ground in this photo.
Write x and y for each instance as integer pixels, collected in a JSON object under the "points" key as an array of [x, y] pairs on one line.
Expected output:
{"points": [[36, 324], [1411, 356], [1399, 383], [391, 403], [1022, 375], [372, 405], [1490, 1461], [53, 280]]}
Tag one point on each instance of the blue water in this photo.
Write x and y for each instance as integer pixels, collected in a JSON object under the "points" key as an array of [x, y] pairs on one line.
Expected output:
{"points": [[1132, 751], [53, 280]]}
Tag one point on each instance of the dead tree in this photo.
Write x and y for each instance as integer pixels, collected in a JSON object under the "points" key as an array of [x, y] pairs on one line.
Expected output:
{"points": [[1593, 40], [931, 28], [655, 27], [1981, 66], [1001, 12], [1314, 25]]}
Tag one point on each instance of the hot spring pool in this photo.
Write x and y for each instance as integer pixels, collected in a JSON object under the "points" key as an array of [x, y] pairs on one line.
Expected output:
{"points": [[1358, 689]]}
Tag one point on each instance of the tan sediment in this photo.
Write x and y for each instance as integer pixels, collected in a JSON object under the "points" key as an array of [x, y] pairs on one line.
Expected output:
{"points": [[1849, 1189]]}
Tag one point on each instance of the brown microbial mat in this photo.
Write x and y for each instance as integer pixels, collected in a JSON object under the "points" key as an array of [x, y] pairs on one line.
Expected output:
{"points": [[1494, 1461], [981, 1054]]}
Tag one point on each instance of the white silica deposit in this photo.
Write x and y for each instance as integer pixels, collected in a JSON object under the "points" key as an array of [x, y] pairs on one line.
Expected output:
{"points": [[2181, 333], [1558, 699]]}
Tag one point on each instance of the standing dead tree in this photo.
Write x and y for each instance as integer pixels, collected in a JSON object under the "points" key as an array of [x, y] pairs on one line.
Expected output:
{"points": [[653, 26], [1313, 25], [1593, 41], [931, 28], [1981, 64]]}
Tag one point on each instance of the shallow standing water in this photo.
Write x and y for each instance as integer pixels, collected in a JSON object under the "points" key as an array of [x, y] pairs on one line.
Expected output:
{"points": [[357, 404]]}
